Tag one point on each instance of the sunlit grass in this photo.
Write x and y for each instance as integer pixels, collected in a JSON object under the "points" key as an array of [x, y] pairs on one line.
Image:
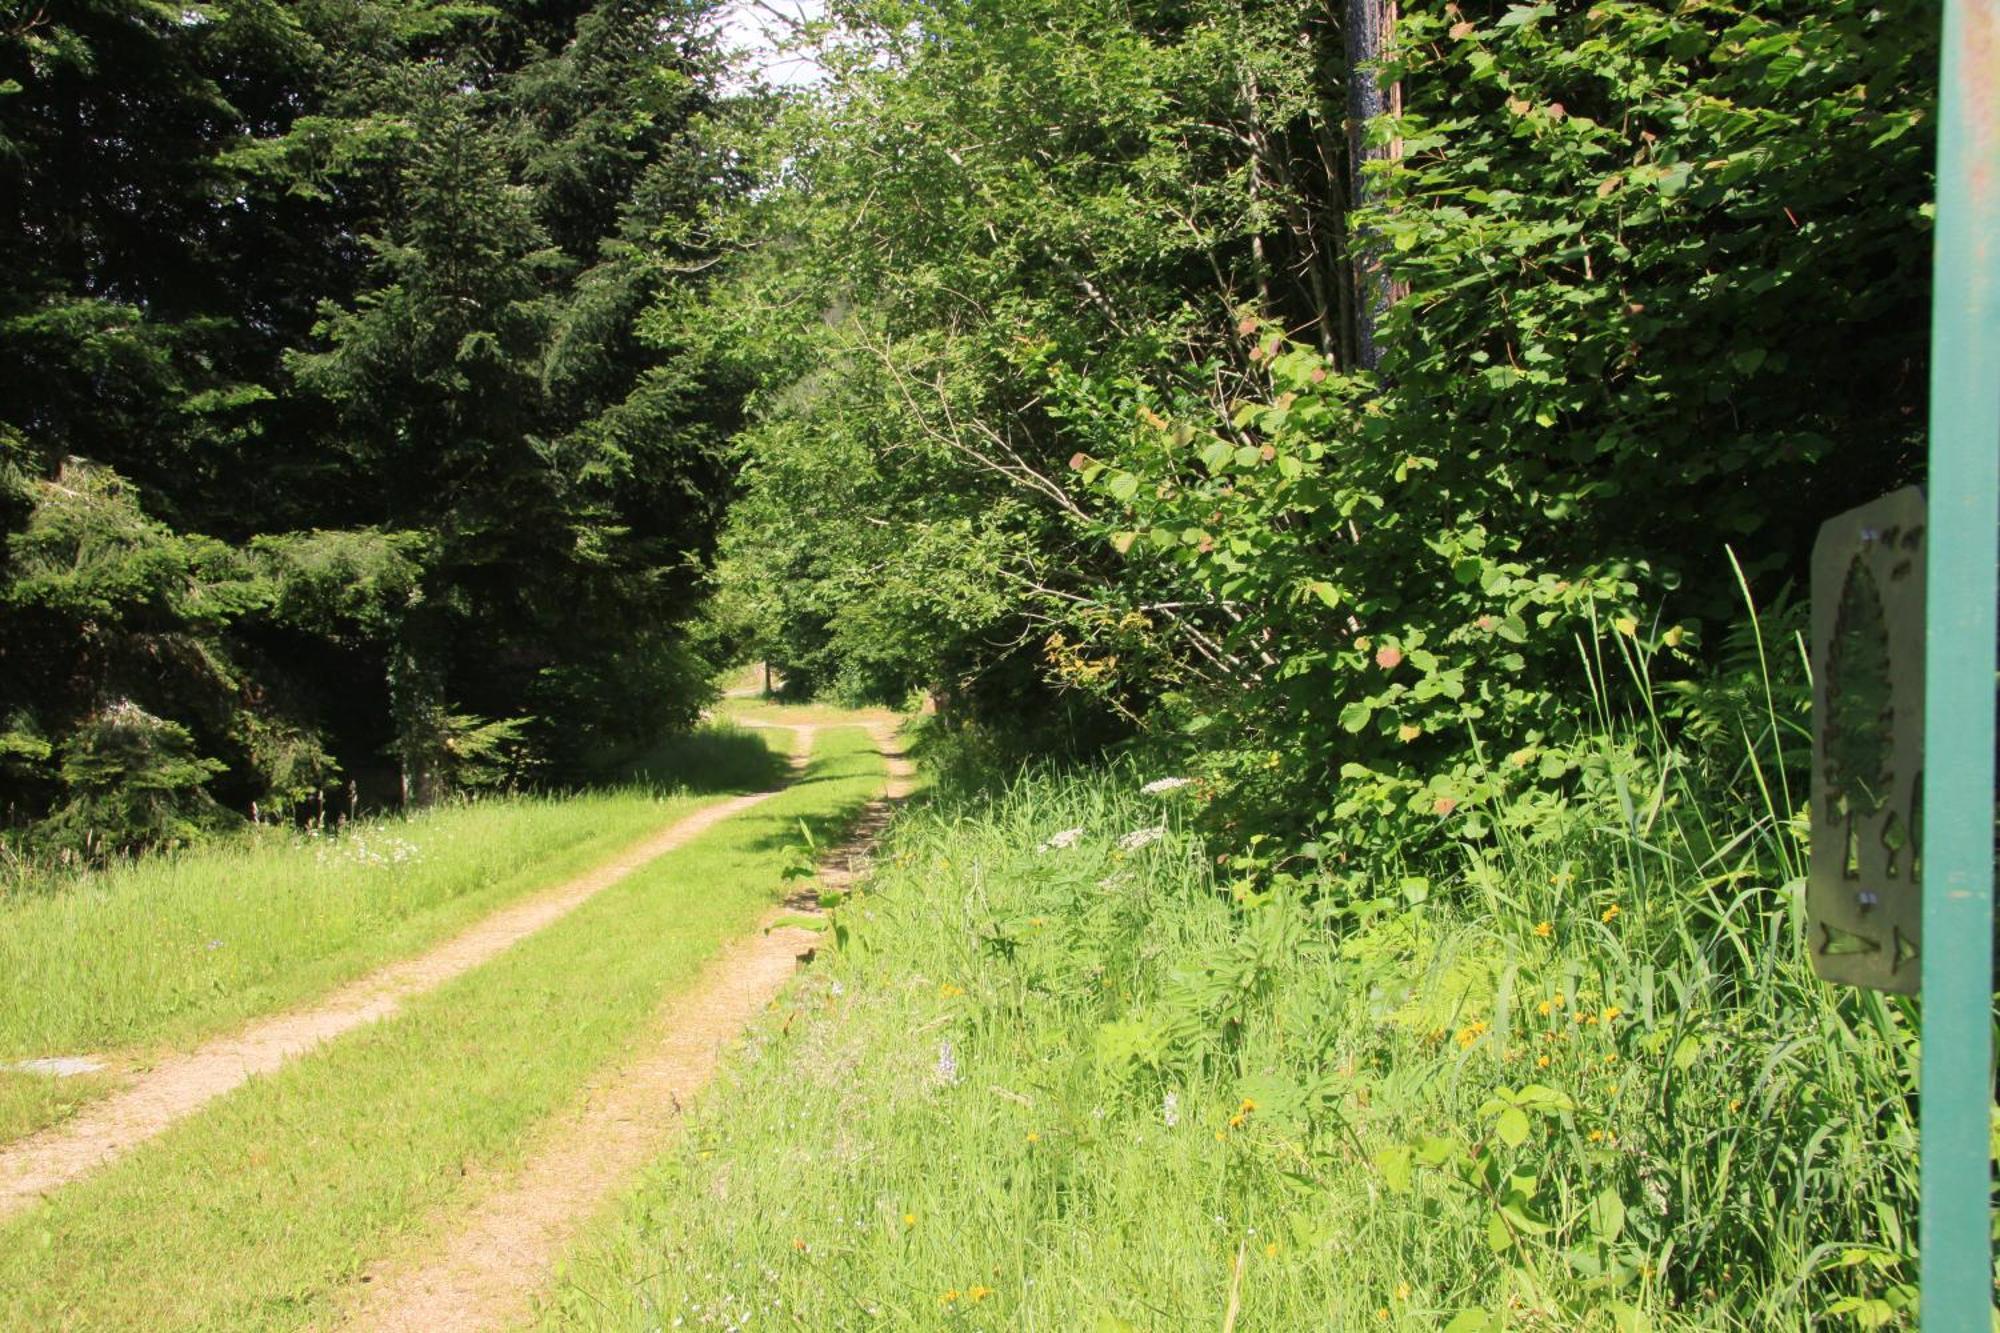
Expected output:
{"points": [[167, 949], [1057, 1083], [253, 1214]]}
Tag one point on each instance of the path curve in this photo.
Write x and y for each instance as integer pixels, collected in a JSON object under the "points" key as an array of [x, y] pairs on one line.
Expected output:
{"points": [[181, 1084], [485, 1273]]}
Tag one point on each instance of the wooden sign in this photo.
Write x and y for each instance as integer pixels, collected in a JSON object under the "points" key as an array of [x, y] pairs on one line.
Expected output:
{"points": [[1864, 887]]}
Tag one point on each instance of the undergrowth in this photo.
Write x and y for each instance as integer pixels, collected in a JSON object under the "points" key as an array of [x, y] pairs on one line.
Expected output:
{"points": [[1073, 1070]]}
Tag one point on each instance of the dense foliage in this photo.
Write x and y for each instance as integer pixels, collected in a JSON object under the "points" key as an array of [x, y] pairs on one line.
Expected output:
{"points": [[337, 447], [1088, 380]]}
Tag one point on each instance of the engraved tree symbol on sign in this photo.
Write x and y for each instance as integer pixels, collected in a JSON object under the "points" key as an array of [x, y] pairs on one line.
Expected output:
{"points": [[1859, 742]]}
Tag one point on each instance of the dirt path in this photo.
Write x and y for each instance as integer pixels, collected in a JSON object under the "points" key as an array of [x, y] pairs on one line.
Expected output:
{"points": [[181, 1084], [485, 1272]]}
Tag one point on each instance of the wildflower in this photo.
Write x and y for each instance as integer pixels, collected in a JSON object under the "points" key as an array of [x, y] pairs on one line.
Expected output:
{"points": [[1388, 658], [1057, 841], [1597, 1136], [1220, 1136], [1613, 1012], [977, 1294], [1402, 1291], [1559, 999], [1610, 913], [1142, 837], [1541, 1062], [909, 1219], [1170, 1108], [1236, 1121], [949, 991], [1271, 1249], [947, 1063], [1248, 1106], [1611, 1059], [1383, 1314], [1033, 1137], [1545, 1008], [798, 1243], [1735, 1105], [949, 1296], [1545, 929], [1611, 1089], [1468, 1035], [1159, 785]]}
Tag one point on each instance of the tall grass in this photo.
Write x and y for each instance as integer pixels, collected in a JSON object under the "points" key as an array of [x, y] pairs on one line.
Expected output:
{"points": [[167, 947], [1577, 1074]]}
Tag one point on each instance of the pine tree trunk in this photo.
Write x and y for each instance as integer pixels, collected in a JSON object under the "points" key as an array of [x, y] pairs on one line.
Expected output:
{"points": [[417, 704]]}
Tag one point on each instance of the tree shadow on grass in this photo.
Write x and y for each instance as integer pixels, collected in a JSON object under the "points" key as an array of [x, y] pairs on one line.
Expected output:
{"points": [[710, 760]]}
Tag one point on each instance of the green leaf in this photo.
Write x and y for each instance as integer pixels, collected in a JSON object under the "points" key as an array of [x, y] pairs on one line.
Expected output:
{"points": [[1394, 1164], [1512, 1126], [1355, 716], [1606, 1215]]}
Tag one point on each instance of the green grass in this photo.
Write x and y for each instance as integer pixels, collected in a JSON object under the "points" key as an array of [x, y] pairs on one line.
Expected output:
{"points": [[1091, 1087], [252, 1214], [168, 948]]}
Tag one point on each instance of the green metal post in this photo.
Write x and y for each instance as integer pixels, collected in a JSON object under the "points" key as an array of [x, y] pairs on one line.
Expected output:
{"points": [[1959, 665]]}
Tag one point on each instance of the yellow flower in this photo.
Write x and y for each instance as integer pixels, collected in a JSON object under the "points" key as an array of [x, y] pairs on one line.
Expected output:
{"points": [[1611, 1088], [1545, 929], [1627, 626], [1735, 1105], [1470, 1034], [978, 1293], [948, 991], [1248, 1106], [1541, 1062], [1611, 1059], [909, 1219], [1271, 1250], [1597, 1136], [1235, 1122], [1034, 1137], [1610, 912], [1544, 1008], [1220, 1136], [1402, 1291], [949, 1296], [1613, 1012], [1558, 999], [1383, 1314]]}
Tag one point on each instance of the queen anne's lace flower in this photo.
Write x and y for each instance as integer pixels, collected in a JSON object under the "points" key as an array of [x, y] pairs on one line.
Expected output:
{"points": [[1159, 785], [1057, 841], [1142, 837]]}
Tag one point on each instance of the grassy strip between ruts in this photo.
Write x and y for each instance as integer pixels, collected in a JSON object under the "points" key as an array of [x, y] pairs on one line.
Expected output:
{"points": [[171, 948], [251, 1215]]}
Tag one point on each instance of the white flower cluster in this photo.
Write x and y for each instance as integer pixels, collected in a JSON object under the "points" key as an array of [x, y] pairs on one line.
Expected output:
{"points": [[1160, 785], [357, 849], [1142, 837], [1057, 841]]}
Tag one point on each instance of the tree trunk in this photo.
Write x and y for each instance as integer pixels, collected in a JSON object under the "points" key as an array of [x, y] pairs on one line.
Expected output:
{"points": [[1366, 30], [417, 704]]}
